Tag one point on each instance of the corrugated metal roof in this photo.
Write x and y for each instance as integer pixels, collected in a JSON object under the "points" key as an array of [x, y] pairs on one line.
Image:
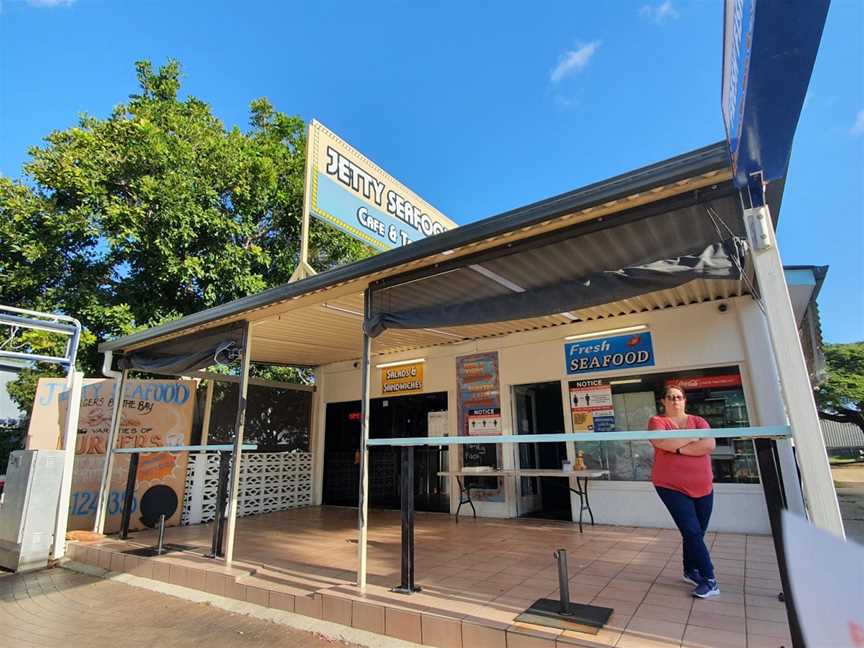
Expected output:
{"points": [[841, 435], [704, 167]]}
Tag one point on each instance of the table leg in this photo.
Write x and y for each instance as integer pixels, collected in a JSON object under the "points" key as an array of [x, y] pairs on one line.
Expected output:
{"points": [[464, 498], [584, 505]]}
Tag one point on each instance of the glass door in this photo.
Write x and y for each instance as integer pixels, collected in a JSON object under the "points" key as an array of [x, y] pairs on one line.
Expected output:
{"points": [[528, 488]]}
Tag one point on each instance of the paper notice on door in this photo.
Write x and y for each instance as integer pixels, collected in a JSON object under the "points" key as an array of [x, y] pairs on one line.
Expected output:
{"points": [[591, 406], [437, 424]]}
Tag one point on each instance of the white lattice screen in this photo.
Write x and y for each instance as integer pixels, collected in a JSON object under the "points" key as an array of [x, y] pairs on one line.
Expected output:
{"points": [[269, 481]]}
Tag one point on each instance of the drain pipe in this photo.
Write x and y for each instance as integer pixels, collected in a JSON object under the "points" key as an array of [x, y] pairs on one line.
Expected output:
{"points": [[116, 412]]}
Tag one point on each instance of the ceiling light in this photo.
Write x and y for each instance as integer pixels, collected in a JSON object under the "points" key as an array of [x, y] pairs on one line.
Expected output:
{"points": [[399, 362], [615, 331]]}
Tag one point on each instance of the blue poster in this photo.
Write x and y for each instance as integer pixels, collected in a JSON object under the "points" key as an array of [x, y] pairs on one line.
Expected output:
{"points": [[609, 354]]}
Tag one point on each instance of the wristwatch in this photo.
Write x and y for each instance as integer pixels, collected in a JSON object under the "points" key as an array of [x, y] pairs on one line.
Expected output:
{"points": [[677, 450]]}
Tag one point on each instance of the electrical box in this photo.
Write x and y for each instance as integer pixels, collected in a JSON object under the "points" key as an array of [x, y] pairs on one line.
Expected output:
{"points": [[29, 508]]}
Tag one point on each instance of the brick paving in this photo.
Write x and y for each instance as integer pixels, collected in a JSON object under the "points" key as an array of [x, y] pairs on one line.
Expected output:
{"points": [[477, 576], [60, 608]]}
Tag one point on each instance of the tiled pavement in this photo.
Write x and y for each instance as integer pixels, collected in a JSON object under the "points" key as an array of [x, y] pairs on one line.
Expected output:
{"points": [[61, 608], [477, 576]]}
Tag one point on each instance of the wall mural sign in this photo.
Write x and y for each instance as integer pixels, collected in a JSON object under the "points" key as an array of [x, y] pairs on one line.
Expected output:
{"points": [[479, 394], [479, 413], [352, 193], [155, 413], [608, 354], [591, 406], [402, 379]]}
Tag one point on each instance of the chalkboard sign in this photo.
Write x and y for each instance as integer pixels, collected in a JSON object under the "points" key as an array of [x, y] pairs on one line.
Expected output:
{"points": [[481, 454]]}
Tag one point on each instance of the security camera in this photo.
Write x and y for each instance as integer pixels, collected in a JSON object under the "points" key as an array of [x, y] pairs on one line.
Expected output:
{"points": [[723, 308]]}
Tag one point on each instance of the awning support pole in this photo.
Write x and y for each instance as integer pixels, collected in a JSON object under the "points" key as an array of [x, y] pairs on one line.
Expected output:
{"points": [[239, 425], [110, 444], [766, 454], [794, 379], [208, 409], [363, 501], [406, 585]]}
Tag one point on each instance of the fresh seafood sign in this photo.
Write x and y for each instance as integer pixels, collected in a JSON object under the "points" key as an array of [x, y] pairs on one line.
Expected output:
{"points": [[609, 354], [155, 413]]}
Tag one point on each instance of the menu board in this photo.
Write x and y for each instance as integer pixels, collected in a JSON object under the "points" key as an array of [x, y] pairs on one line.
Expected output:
{"points": [[591, 406], [155, 413], [479, 394], [479, 414]]}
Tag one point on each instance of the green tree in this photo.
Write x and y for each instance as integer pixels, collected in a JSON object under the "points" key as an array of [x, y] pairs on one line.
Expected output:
{"points": [[156, 212], [842, 392]]}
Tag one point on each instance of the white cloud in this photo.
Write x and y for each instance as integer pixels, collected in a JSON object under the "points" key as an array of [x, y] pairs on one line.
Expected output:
{"points": [[49, 4], [573, 61], [659, 13], [858, 126]]}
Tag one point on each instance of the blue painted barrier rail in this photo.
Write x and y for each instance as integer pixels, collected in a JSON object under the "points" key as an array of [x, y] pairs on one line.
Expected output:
{"points": [[765, 432]]}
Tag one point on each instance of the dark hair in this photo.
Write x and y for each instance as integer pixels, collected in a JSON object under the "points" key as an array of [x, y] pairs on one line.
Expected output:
{"points": [[678, 387]]}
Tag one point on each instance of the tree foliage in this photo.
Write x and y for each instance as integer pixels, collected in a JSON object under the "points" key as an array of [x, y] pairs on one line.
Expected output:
{"points": [[156, 212], [843, 388]]}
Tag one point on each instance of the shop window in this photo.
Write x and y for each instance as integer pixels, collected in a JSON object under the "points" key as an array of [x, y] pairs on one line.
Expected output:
{"points": [[716, 395]]}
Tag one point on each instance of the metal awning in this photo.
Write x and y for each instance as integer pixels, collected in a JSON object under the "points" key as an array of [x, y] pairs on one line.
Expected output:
{"points": [[653, 213]]}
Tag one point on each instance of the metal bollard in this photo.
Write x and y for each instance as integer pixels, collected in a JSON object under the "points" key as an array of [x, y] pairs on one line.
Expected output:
{"points": [[161, 535], [563, 582]]}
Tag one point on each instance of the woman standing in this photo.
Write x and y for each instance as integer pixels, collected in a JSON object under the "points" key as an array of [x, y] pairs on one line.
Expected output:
{"points": [[684, 481]]}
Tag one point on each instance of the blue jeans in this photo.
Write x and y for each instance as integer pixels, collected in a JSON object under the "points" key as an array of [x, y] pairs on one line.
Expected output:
{"points": [[691, 515]]}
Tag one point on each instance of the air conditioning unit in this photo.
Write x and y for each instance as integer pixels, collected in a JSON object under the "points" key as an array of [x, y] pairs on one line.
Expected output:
{"points": [[29, 508]]}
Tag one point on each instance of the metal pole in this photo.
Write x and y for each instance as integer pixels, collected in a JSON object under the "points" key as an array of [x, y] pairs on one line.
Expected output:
{"points": [[239, 425], [774, 501], [219, 519], [407, 507], [129, 497], [110, 444], [794, 380], [161, 541], [363, 501], [563, 582]]}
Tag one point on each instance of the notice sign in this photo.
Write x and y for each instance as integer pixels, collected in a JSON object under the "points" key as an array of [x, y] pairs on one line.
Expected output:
{"points": [[479, 394], [608, 354], [402, 379], [591, 406], [486, 421], [357, 196]]}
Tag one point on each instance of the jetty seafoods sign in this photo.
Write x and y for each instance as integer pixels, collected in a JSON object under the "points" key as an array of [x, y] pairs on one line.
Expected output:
{"points": [[402, 379], [608, 354], [355, 195]]}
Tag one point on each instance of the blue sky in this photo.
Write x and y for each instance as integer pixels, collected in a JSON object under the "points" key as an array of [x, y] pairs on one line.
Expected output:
{"points": [[477, 106]]}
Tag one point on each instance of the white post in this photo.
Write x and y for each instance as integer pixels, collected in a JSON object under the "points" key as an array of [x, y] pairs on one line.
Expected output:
{"points": [[110, 444], [317, 437], [237, 456], [792, 369], [74, 383], [303, 268], [208, 408], [363, 503], [768, 397]]}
